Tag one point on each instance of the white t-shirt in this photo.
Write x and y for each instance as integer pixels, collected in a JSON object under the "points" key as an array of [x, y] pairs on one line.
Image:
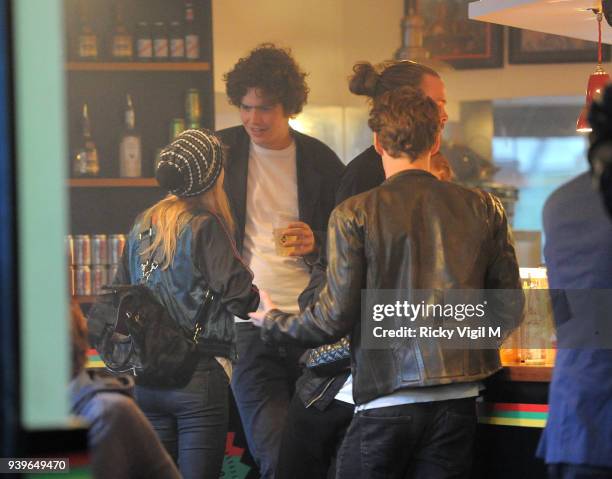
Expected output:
{"points": [[272, 200], [411, 396]]}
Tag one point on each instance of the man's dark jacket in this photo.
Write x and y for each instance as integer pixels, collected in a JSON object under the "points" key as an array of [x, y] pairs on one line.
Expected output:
{"points": [[363, 173], [412, 232], [318, 174]]}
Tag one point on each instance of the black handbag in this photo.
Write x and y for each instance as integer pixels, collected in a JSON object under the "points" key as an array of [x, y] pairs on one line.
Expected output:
{"points": [[145, 341], [139, 336], [330, 359]]}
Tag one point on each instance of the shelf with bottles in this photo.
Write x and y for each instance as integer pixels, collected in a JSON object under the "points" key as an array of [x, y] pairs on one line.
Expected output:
{"points": [[112, 182], [139, 31], [89, 66], [136, 150]]}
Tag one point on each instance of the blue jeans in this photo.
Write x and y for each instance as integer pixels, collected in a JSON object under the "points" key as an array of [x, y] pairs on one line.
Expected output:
{"points": [[192, 422], [263, 383]]}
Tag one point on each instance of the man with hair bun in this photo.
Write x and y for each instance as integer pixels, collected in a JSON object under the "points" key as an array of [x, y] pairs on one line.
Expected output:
{"points": [[325, 400], [415, 403], [277, 178]]}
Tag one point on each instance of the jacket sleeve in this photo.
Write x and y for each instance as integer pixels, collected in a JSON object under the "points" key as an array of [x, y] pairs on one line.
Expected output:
{"points": [[503, 283], [216, 256], [335, 312], [122, 441], [332, 174], [315, 284]]}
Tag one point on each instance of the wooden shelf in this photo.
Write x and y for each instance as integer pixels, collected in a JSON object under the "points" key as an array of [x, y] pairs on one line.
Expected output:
{"points": [[523, 373], [137, 66], [85, 299], [112, 182]]}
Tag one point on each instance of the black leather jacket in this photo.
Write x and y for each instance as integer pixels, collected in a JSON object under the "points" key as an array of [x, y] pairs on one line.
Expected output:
{"points": [[412, 232]]}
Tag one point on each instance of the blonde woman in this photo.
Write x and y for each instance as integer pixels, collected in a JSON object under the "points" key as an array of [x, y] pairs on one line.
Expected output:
{"points": [[185, 242]]}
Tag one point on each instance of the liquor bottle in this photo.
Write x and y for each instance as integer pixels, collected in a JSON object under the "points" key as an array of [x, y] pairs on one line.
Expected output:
{"points": [[144, 42], [160, 42], [177, 42], [87, 45], [122, 45], [130, 147], [192, 39], [86, 157], [193, 111]]}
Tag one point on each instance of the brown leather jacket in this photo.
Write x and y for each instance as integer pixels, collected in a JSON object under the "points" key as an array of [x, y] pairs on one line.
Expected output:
{"points": [[412, 232]]}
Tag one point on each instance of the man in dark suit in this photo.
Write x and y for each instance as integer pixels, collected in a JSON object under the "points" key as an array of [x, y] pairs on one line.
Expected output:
{"points": [[279, 183]]}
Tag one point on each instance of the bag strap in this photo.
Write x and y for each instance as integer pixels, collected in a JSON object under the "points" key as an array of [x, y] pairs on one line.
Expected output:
{"points": [[151, 265]]}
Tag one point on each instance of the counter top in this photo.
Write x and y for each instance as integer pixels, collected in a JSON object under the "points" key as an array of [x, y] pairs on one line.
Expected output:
{"points": [[524, 373]]}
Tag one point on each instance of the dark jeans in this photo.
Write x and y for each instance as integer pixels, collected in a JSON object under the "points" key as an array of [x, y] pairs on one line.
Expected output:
{"points": [[576, 471], [263, 383], [192, 422], [311, 439], [422, 441]]}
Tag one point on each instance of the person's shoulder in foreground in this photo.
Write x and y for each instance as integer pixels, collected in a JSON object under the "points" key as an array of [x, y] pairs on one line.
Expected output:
{"points": [[122, 442]]}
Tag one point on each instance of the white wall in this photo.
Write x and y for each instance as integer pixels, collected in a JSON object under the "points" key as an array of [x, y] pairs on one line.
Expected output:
{"points": [[328, 36]]}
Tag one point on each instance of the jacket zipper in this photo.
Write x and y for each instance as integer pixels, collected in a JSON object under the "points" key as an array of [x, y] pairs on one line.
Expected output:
{"points": [[320, 395]]}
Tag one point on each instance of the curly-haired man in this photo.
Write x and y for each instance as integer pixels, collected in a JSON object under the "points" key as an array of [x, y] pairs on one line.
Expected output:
{"points": [[277, 179], [415, 400]]}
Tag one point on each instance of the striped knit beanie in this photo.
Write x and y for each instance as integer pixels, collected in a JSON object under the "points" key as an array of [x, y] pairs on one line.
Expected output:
{"points": [[190, 164]]}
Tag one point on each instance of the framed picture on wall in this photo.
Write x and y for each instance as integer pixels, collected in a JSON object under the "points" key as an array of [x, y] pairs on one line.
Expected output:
{"points": [[526, 46], [452, 37]]}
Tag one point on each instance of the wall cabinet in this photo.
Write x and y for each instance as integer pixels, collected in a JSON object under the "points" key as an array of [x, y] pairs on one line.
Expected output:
{"points": [[106, 203]]}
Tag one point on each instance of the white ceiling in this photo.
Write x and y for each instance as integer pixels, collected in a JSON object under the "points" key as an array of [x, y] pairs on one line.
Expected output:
{"points": [[570, 18]]}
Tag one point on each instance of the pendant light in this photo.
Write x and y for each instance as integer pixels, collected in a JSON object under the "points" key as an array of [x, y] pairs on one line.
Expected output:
{"points": [[597, 82], [412, 48]]}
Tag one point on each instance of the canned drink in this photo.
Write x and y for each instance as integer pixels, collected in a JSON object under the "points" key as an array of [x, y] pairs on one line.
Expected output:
{"points": [[99, 250], [116, 244], [177, 125], [69, 242], [82, 250], [112, 272], [71, 274], [99, 278], [82, 279], [192, 106]]}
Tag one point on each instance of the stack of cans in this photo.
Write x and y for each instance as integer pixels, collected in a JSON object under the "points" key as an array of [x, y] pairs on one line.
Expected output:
{"points": [[94, 260]]}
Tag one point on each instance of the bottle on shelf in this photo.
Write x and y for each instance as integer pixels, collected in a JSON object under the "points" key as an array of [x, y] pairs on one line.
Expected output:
{"points": [[122, 44], [177, 126], [177, 42], [87, 42], [193, 111], [144, 42], [85, 161], [130, 146], [192, 38], [160, 42]]}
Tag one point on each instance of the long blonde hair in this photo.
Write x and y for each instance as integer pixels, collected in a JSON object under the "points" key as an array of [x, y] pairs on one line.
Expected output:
{"points": [[171, 214]]}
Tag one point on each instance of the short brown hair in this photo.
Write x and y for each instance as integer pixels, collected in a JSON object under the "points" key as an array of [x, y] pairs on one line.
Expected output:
{"points": [[273, 71], [405, 121]]}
